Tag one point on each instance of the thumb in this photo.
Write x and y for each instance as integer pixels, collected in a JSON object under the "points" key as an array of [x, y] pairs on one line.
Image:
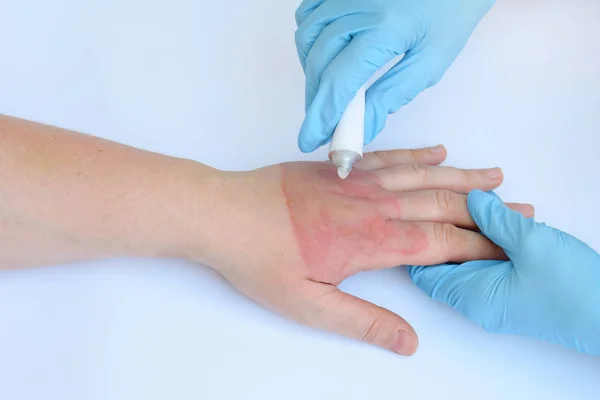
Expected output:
{"points": [[416, 72], [500, 224], [332, 310]]}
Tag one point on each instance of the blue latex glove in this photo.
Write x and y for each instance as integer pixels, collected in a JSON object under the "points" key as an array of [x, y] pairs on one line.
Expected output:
{"points": [[549, 290], [342, 43]]}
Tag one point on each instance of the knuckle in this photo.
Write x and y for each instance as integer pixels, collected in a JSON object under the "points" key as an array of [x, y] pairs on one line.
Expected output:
{"points": [[372, 330], [442, 201], [384, 158], [446, 202], [380, 155], [300, 36], [448, 235], [413, 154], [420, 172], [300, 13], [399, 22]]}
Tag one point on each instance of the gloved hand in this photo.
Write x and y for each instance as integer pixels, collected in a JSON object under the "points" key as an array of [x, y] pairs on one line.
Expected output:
{"points": [[342, 43], [550, 288]]}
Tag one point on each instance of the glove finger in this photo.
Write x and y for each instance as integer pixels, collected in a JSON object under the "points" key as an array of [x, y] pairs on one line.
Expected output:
{"points": [[313, 24], [472, 288], [417, 71], [444, 282], [334, 38], [306, 8], [502, 225], [491, 192], [340, 81], [430, 278]]}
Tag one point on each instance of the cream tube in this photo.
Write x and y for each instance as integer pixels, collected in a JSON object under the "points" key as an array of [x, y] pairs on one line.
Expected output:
{"points": [[346, 148]]}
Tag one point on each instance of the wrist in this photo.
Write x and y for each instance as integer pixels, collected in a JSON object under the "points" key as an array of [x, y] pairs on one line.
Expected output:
{"points": [[210, 208], [228, 208], [195, 193]]}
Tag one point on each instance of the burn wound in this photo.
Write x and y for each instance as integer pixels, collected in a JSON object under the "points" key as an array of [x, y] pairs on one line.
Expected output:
{"points": [[341, 223]]}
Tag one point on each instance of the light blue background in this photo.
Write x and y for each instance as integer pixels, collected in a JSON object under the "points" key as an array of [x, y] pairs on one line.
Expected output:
{"points": [[219, 82]]}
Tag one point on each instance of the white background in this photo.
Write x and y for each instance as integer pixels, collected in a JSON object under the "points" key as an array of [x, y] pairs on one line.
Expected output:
{"points": [[219, 82]]}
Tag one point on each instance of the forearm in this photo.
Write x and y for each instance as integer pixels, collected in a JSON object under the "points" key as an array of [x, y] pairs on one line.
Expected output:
{"points": [[66, 197]]}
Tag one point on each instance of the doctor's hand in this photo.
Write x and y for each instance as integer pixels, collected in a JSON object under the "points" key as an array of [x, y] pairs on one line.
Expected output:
{"points": [[342, 43], [295, 231], [550, 288]]}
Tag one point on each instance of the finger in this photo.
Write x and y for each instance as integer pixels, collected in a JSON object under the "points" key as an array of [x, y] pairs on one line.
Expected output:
{"points": [[527, 210], [502, 225], [338, 85], [305, 9], [422, 177], [332, 40], [326, 307], [442, 206], [390, 158], [417, 71], [448, 283], [312, 19], [425, 243]]}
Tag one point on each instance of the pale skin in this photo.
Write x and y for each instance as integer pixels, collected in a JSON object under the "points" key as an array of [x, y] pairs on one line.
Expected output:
{"points": [[284, 235]]}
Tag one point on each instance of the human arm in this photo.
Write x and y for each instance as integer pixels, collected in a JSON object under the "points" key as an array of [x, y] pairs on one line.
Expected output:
{"points": [[549, 289], [67, 196], [285, 235], [343, 43]]}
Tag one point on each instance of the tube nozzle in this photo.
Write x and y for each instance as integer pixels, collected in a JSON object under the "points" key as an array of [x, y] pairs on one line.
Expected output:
{"points": [[344, 160], [346, 145], [343, 172]]}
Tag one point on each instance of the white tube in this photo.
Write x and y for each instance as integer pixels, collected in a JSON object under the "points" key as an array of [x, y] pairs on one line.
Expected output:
{"points": [[346, 148]]}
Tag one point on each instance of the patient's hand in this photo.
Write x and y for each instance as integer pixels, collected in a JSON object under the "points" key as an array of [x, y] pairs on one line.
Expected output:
{"points": [[294, 231], [284, 235]]}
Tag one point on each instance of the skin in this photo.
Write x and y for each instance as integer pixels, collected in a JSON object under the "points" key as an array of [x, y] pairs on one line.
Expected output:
{"points": [[285, 235], [357, 222]]}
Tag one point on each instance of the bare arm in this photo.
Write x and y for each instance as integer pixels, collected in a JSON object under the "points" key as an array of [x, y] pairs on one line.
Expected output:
{"points": [[66, 196]]}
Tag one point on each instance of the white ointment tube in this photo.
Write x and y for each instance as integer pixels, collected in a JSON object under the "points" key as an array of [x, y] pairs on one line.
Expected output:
{"points": [[346, 148]]}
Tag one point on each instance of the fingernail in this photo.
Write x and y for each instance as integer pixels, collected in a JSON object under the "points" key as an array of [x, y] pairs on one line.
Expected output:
{"points": [[529, 211], [403, 343], [437, 149], [494, 173]]}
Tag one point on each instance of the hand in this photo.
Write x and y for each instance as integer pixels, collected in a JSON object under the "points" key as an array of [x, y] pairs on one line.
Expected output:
{"points": [[342, 43], [550, 288], [296, 230]]}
